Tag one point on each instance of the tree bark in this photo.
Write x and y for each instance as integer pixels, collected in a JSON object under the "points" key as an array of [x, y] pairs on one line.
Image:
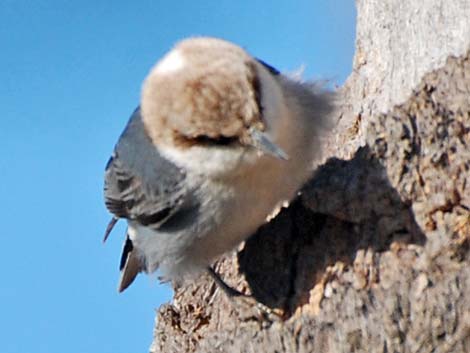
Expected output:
{"points": [[374, 255]]}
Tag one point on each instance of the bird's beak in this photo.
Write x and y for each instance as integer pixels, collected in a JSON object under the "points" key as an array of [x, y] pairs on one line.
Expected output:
{"points": [[262, 142]]}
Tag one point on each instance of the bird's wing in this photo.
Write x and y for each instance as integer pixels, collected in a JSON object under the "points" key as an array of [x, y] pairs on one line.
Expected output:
{"points": [[142, 186]]}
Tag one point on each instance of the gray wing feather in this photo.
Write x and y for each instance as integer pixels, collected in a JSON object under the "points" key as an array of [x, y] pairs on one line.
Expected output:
{"points": [[140, 184]]}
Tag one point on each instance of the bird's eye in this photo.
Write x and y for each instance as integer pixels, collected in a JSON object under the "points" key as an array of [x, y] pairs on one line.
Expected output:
{"points": [[154, 218], [218, 141]]}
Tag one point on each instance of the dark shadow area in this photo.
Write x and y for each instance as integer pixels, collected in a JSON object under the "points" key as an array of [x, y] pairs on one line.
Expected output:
{"points": [[345, 207]]}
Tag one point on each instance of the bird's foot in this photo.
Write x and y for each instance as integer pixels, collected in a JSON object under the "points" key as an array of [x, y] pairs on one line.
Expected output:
{"points": [[246, 305]]}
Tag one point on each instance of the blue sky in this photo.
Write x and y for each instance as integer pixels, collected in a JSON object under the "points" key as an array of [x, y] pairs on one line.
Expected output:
{"points": [[70, 75]]}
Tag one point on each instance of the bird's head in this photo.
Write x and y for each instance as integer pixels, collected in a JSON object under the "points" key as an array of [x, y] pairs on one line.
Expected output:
{"points": [[208, 101]]}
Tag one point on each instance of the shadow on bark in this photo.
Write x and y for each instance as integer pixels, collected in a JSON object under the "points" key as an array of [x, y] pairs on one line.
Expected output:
{"points": [[359, 210]]}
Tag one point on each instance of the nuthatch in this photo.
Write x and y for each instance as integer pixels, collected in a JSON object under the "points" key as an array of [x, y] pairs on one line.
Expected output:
{"points": [[219, 141]]}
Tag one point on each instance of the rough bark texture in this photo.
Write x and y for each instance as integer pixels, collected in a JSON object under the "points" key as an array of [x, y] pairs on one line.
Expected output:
{"points": [[374, 256]]}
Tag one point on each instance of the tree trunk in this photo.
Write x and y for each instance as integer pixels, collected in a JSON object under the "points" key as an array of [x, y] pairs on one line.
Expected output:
{"points": [[374, 256]]}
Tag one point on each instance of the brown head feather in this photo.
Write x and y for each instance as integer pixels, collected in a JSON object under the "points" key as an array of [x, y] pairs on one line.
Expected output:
{"points": [[204, 87]]}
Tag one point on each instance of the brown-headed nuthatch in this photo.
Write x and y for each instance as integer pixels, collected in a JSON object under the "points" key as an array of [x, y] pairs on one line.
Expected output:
{"points": [[220, 139]]}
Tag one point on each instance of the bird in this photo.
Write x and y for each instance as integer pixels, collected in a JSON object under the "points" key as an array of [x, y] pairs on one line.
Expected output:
{"points": [[218, 141]]}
